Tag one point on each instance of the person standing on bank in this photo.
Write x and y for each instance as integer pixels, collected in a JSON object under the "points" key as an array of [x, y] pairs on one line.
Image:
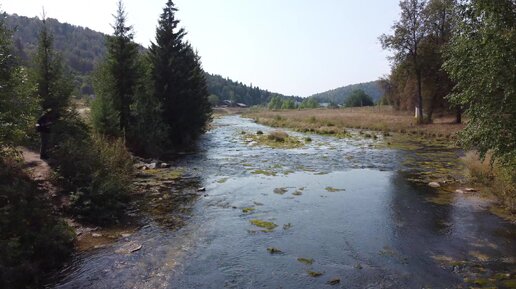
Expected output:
{"points": [[44, 128]]}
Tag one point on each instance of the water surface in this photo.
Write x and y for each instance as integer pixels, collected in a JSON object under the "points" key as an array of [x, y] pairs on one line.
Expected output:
{"points": [[350, 205]]}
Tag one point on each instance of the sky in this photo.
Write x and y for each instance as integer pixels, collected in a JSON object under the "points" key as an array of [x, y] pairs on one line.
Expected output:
{"points": [[294, 47]]}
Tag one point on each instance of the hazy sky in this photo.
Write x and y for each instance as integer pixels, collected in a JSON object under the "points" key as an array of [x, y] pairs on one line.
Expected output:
{"points": [[295, 47]]}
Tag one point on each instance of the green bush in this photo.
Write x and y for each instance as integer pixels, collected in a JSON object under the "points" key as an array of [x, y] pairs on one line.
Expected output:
{"points": [[33, 240], [96, 172]]}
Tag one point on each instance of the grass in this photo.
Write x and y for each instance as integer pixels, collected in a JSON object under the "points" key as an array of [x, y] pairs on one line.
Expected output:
{"points": [[336, 121], [499, 181], [275, 139]]}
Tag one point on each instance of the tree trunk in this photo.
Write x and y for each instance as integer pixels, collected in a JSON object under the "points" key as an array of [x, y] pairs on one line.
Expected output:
{"points": [[419, 98], [458, 115]]}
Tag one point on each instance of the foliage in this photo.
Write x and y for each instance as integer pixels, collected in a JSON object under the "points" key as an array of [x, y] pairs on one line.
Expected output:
{"points": [[408, 34], [179, 82], [359, 98], [213, 99], [148, 134], [481, 59], [81, 48], [95, 170], [118, 78], [500, 179], [275, 102], [226, 89], [33, 240], [54, 87], [339, 95], [17, 105], [288, 104], [309, 103]]}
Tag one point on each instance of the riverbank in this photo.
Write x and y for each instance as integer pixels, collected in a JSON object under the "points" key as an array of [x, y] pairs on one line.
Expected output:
{"points": [[332, 121]]}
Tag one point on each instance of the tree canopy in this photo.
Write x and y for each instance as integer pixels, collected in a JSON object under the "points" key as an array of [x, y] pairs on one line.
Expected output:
{"points": [[481, 60]]}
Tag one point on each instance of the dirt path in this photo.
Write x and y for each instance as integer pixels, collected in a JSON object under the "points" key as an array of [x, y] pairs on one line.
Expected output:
{"points": [[41, 172], [39, 169]]}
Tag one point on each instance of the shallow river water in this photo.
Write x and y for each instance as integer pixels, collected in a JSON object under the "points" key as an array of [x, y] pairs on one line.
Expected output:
{"points": [[350, 208]]}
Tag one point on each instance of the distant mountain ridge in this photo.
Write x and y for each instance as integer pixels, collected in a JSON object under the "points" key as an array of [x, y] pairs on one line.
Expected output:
{"points": [[339, 95]]}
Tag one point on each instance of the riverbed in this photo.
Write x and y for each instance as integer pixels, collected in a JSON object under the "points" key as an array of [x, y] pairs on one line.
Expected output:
{"points": [[335, 212]]}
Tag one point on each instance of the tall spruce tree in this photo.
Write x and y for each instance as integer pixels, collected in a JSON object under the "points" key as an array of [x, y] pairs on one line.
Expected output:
{"points": [[178, 81], [117, 79], [54, 88], [17, 106]]}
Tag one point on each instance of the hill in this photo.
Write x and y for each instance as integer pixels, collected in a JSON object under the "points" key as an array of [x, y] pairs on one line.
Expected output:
{"points": [[227, 89], [339, 95], [82, 48]]}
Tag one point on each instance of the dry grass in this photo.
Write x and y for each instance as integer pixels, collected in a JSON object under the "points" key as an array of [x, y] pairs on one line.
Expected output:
{"points": [[277, 135], [500, 181], [335, 121]]}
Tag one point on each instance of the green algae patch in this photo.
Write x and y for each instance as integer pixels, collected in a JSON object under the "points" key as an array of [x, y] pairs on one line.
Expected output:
{"points": [[223, 180], [275, 139], [165, 174], [333, 190], [509, 283], [307, 261], [280, 191], [248, 210], [264, 172], [315, 273], [273, 250], [297, 193], [264, 224]]}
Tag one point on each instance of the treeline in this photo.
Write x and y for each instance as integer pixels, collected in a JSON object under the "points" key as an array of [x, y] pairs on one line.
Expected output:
{"points": [[148, 102], [340, 95], [226, 89]]}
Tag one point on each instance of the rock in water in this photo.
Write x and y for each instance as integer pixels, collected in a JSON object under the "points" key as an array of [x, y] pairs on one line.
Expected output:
{"points": [[434, 184], [334, 281], [129, 248]]}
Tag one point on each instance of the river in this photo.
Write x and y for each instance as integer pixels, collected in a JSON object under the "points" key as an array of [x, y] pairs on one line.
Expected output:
{"points": [[347, 212]]}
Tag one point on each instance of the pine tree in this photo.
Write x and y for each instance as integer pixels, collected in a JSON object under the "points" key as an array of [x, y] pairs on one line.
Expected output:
{"points": [[54, 88], [179, 81], [117, 79], [17, 106]]}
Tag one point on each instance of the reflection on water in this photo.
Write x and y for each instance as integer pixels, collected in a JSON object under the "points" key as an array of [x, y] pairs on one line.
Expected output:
{"points": [[346, 205]]}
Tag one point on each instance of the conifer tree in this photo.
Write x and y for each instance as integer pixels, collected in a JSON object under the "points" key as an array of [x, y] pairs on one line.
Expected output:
{"points": [[54, 88], [179, 81], [117, 79], [17, 106]]}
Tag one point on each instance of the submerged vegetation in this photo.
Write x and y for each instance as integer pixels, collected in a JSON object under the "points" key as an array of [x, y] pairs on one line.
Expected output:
{"points": [[274, 139]]}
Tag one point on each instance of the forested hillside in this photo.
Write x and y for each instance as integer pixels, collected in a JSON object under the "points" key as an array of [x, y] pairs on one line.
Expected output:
{"points": [[227, 89], [340, 95], [81, 48]]}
